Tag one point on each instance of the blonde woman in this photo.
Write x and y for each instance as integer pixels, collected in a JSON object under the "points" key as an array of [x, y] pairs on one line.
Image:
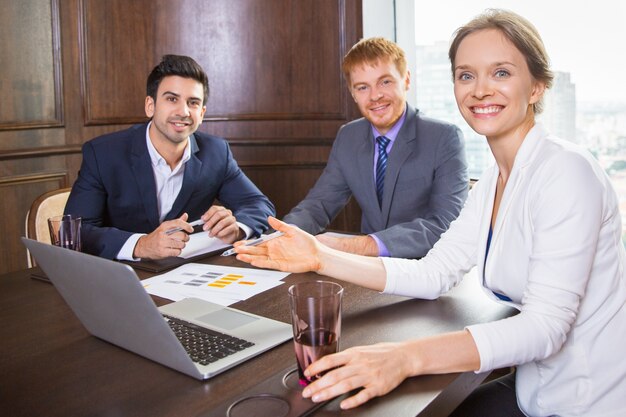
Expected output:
{"points": [[543, 228]]}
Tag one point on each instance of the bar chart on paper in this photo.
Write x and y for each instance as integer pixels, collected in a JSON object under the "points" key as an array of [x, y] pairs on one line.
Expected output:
{"points": [[218, 284]]}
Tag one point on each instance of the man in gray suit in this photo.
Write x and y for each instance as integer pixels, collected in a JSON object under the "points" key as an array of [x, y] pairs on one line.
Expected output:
{"points": [[408, 173]]}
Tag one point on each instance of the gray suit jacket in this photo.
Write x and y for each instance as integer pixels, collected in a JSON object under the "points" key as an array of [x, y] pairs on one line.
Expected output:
{"points": [[425, 185]]}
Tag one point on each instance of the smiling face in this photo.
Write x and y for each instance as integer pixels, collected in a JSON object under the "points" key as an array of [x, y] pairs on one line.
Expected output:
{"points": [[177, 112], [493, 86], [380, 93]]}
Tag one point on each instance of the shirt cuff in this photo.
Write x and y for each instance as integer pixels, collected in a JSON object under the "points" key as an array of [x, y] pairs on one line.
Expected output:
{"points": [[246, 229], [126, 253], [382, 249]]}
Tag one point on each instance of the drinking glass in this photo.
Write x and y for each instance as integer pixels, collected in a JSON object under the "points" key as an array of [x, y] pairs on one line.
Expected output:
{"points": [[316, 320], [65, 231]]}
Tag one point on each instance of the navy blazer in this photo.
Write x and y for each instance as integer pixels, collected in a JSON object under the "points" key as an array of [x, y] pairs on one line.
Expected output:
{"points": [[115, 192], [426, 184]]}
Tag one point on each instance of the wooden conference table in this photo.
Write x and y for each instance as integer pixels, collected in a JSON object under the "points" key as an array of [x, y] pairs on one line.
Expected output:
{"points": [[50, 365]]}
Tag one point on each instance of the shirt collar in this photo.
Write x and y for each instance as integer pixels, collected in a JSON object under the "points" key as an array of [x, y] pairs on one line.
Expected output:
{"points": [[156, 157]]}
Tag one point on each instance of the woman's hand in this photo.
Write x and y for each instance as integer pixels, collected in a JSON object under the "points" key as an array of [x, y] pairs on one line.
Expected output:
{"points": [[296, 251], [378, 369]]}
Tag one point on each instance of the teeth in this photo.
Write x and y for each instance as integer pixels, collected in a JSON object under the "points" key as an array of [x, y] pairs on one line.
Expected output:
{"points": [[485, 110]]}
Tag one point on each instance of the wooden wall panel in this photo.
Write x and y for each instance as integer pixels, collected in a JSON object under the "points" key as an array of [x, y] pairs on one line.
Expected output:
{"points": [[286, 172], [117, 51], [289, 184], [256, 71], [78, 70], [31, 66]]}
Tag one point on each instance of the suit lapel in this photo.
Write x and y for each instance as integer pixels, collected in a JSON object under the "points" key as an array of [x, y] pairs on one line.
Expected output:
{"points": [[142, 170], [365, 161], [193, 168], [531, 146], [525, 155], [489, 182], [510, 191], [401, 150], [505, 204]]}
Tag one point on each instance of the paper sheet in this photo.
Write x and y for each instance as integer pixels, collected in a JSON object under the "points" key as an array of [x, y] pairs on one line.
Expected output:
{"points": [[200, 243], [218, 284]]}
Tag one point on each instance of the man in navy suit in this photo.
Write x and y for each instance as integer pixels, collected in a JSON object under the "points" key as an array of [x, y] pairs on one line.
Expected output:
{"points": [[137, 184], [409, 199]]}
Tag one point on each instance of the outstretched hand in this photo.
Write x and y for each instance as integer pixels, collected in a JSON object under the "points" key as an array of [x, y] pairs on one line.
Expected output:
{"points": [[296, 251]]}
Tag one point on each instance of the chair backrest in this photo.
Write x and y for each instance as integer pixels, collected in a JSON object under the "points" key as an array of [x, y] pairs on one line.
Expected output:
{"points": [[45, 206]]}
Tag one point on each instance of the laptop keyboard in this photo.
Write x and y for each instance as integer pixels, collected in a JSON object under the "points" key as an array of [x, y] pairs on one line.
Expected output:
{"points": [[204, 345]]}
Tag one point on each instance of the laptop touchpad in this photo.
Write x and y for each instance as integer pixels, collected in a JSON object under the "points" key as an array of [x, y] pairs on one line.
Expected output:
{"points": [[226, 319]]}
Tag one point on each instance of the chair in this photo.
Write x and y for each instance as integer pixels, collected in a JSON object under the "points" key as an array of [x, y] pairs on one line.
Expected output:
{"points": [[45, 206]]}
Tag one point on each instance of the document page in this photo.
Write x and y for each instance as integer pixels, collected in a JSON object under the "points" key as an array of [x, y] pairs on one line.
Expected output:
{"points": [[218, 284], [200, 243]]}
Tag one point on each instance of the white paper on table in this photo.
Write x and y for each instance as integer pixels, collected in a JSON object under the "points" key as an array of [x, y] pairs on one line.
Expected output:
{"points": [[219, 284], [200, 243], [166, 291]]}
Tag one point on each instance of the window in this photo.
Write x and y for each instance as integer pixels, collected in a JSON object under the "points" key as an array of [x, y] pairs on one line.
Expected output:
{"points": [[587, 103]]}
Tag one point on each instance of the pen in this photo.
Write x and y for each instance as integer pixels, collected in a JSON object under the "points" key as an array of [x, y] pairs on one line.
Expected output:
{"points": [[255, 242], [178, 229]]}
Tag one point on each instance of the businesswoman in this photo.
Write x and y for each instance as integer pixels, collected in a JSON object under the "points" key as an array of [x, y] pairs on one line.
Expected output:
{"points": [[543, 228]]}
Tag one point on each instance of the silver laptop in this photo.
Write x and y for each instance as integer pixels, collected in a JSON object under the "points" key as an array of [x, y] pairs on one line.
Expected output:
{"points": [[109, 300]]}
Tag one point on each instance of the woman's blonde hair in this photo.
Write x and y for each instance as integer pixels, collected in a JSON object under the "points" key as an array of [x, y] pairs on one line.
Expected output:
{"points": [[520, 32]]}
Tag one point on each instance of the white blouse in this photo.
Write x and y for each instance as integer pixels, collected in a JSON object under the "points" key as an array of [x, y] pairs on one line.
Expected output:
{"points": [[557, 253]]}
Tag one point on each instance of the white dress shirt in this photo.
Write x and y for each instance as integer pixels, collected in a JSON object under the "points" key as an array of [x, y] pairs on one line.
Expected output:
{"points": [[168, 184], [557, 253]]}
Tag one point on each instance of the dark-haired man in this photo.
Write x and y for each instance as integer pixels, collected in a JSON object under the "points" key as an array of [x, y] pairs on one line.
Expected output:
{"points": [[137, 184]]}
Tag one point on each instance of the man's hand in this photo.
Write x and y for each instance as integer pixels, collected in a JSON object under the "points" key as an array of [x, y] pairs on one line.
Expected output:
{"points": [[159, 244], [220, 223], [359, 245]]}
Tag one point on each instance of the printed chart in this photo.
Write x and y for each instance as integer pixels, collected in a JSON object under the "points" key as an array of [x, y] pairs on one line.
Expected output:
{"points": [[217, 284]]}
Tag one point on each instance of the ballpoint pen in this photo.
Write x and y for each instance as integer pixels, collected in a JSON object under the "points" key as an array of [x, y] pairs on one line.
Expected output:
{"points": [[178, 229], [255, 242]]}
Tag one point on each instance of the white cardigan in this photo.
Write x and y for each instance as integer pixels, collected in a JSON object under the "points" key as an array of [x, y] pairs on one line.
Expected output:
{"points": [[556, 251]]}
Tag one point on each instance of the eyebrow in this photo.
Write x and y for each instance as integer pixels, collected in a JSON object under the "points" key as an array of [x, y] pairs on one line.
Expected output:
{"points": [[178, 95], [171, 93], [496, 64], [387, 75]]}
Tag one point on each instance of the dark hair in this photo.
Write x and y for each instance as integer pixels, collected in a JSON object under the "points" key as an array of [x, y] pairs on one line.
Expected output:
{"points": [[180, 65], [370, 51], [520, 32]]}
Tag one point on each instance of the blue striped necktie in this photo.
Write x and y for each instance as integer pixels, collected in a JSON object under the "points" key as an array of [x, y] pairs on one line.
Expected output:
{"points": [[381, 167]]}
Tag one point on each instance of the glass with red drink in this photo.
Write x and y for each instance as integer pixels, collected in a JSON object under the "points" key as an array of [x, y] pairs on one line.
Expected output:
{"points": [[316, 321]]}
